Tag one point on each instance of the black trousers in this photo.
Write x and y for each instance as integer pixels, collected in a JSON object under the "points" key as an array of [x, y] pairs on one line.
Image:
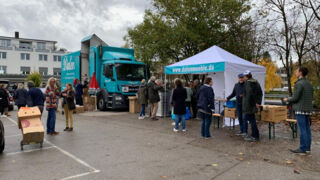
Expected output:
{"points": [[79, 100], [21, 105], [194, 108]]}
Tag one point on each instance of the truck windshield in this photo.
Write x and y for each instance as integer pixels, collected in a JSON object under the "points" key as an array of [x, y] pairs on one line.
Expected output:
{"points": [[130, 72]]}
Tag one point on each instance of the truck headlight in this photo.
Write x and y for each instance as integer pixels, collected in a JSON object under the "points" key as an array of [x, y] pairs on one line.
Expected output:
{"points": [[125, 89], [118, 98]]}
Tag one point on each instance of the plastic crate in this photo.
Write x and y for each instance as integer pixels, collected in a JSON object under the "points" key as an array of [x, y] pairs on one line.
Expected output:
{"points": [[230, 104]]}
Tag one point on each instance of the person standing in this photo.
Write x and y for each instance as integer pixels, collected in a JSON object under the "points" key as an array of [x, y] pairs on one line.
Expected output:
{"points": [[153, 95], [302, 105], [238, 93], [35, 97], [142, 98], [51, 105], [21, 96], [251, 102], [68, 105], [205, 99], [194, 103], [179, 96], [189, 95], [4, 99], [79, 92]]}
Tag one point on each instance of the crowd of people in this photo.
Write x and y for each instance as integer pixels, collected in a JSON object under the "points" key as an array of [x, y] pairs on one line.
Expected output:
{"points": [[197, 98], [248, 93], [46, 97]]}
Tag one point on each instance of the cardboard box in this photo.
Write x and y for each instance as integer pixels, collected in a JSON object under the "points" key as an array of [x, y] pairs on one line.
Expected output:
{"points": [[275, 114], [89, 107], [230, 112], [27, 113], [32, 130], [134, 107], [79, 109]]}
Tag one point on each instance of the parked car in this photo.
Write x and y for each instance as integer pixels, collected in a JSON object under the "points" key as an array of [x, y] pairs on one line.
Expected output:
{"points": [[2, 141]]}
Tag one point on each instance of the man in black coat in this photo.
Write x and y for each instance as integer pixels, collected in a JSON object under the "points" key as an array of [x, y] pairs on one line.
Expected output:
{"points": [[251, 101], [238, 93]]}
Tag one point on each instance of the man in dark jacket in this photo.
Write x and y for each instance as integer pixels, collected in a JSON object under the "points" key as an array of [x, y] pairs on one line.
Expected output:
{"points": [[35, 96], [205, 99], [79, 92], [252, 99], [153, 95], [302, 105], [238, 93]]}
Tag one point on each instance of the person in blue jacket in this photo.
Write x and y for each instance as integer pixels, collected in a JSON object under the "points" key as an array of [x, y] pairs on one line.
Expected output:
{"points": [[35, 97], [238, 93], [205, 99]]}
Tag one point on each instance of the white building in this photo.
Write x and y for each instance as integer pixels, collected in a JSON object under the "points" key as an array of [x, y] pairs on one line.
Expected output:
{"points": [[21, 56]]}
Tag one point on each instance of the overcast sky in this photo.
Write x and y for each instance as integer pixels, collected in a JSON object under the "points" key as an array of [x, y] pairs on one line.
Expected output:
{"points": [[68, 21]]}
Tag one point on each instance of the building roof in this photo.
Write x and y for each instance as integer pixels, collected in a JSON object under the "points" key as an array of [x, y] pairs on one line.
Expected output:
{"points": [[26, 39]]}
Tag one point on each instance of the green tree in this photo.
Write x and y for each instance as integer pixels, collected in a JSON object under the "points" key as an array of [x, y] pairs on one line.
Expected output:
{"points": [[35, 77], [176, 29]]}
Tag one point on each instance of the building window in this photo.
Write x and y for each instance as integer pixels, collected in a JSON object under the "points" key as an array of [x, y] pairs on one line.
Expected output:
{"points": [[25, 56], [25, 45], [43, 71], [41, 45], [56, 58], [57, 71], [5, 42], [3, 69], [25, 70], [43, 57], [3, 55]]}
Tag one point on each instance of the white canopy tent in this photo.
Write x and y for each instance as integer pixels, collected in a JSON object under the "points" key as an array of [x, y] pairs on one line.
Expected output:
{"points": [[222, 66]]}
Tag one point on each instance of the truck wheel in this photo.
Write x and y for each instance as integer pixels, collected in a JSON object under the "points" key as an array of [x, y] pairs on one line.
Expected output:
{"points": [[2, 141], [101, 104]]}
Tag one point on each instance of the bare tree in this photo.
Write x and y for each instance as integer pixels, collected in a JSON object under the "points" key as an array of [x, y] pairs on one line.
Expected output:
{"points": [[314, 5], [302, 37], [281, 22]]}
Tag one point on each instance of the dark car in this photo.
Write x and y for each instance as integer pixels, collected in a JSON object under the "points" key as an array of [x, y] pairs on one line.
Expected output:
{"points": [[2, 143]]}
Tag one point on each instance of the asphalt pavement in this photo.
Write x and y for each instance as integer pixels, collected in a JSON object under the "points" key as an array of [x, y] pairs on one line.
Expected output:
{"points": [[116, 145]]}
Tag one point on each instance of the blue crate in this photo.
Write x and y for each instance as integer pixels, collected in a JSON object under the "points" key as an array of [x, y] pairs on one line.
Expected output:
{"points": [[230, 104]]}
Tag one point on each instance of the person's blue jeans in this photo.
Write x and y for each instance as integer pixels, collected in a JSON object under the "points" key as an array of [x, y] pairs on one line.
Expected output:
{"points": [[206, 123], [303, 122], [254, 128], [180, 118], [142, 110], [51, 120], [242, 122]]}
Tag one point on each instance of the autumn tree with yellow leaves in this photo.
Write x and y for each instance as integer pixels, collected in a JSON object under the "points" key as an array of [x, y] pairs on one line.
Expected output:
{"points": [[273, 80]]}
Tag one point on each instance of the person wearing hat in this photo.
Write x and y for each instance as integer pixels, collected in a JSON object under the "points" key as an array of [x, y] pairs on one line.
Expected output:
{"points": [[252, 98], [238, 93]]}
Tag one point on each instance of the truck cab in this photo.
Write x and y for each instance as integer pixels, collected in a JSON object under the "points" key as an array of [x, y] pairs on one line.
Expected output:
{"points": [[117, 71]]}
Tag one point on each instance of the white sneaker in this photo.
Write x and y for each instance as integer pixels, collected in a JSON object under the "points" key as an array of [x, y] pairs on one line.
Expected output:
{"points": [[184, 130], [143, 117], [140, 117], [175, 130]]}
